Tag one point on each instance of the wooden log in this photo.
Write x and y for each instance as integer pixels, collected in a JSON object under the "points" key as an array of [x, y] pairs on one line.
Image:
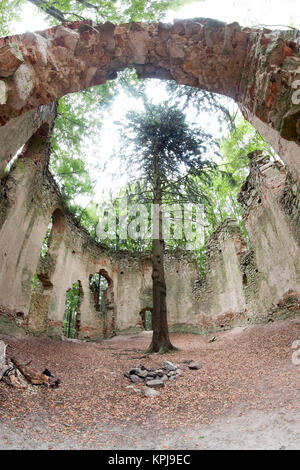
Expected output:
{"points": [[36, 378]]}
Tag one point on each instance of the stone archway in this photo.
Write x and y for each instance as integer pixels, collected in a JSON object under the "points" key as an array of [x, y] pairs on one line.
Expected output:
{"points": [[71, 320], [47, 262], [259, 69], [102, 296], [41, 294]]}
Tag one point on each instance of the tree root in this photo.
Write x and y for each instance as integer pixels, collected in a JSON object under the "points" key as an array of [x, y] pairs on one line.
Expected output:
{"points": [[163, 349]]}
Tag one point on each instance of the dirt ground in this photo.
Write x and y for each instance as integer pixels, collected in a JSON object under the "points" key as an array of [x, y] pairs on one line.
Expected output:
{"points": [[245, 396]]}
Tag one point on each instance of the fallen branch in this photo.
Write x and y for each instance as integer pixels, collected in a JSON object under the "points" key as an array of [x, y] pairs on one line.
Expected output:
{"points": [[4, 371], [36, 378]]}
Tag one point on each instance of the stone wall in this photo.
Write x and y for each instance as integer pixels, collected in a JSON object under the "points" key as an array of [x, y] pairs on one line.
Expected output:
{"points": [[31, 200], [258, 68], [220, 295], [255, 67], [19, 130], [240, 284], [270, 202], [244, 285]]}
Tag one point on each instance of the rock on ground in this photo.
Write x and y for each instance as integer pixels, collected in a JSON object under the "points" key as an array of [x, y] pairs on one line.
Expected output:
{"points": [[245, 396], [2, 354], [150, 392]]}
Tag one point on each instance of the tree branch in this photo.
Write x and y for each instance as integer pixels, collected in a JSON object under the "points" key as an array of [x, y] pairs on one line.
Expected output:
{"points": [[52, 11]]}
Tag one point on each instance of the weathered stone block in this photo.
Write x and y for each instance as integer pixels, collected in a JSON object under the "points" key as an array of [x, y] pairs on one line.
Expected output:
{"points": [[10, 59], [2, 354], [3, 92], [22, 87], [38, 313], [158, 383], [169, 366], [150, 392], [195, 366]]}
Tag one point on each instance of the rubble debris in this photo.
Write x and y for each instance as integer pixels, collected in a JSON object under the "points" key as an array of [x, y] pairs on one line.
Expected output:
{"points": [[154, 378], [195, 366], [2, 354], [17, 374]]}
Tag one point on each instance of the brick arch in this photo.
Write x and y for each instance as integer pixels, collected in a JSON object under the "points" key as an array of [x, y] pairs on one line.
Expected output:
{"points": [[256, 67], [105, 274], [58, 224]]}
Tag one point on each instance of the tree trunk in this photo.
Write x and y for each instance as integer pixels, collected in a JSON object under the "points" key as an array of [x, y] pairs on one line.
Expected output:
{"points": [[69, 323], [160, 339]]}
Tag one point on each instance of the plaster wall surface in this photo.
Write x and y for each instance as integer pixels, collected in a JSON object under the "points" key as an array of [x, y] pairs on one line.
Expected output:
{"points": [[255, 67], [239, 285], [288, 151], [220, 292], [19, 130], [258, 68], [72, 256], [277, 250]]}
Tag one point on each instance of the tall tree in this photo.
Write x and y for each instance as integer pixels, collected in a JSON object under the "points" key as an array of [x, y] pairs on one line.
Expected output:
{"points": [[164, 156], [99, 11], [224, 109], [80, 114]]}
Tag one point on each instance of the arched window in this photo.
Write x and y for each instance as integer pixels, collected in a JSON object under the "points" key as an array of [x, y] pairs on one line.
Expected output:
{"points": [[54, 232], [99, 284], [146, 315], [71, 321], [50, 245]]}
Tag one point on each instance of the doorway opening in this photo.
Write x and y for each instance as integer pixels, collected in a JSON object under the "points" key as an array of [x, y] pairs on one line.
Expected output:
{"points": [[146, 315], [71, 321], [99, 284]]}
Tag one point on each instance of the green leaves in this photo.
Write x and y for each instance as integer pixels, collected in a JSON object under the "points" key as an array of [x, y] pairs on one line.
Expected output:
{"points": [[232, 172], [241, 141], [9, 11], [166, 159], [71, 311], [159, 143], [183, 166], [78, 121], [116, 11]]}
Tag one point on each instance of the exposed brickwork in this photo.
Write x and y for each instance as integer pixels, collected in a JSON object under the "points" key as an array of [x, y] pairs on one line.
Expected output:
{"points": [[67, 58], [270, 203], [257, 68]]}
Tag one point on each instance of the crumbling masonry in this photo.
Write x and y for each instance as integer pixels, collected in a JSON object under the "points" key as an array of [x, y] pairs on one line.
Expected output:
{"points": [[244, 282]]}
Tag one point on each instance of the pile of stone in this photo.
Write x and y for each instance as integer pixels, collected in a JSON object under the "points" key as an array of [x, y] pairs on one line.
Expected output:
{"points": [[154, 378]]}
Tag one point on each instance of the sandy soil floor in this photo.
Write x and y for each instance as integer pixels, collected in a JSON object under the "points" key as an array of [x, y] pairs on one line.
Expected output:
{"points": [[246, 395]]}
